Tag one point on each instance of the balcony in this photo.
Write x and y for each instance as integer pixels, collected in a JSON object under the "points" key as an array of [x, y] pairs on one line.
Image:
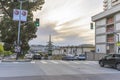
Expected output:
{"points": [[113, 1], [110, 29], [105, 1], [110, 21], [110, 38]]}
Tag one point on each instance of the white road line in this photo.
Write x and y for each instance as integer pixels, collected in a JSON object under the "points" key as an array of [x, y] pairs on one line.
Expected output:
{"points": [[76, 62], [90, 62], [44, 62], [64, 62], [54, 62], [32, 62]]}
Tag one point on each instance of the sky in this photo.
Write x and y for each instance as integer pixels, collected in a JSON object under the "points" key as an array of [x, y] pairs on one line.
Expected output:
{"points": [[67, 21]]}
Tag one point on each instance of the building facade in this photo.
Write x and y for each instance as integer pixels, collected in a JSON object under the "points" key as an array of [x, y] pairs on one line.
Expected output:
{"points": [[60, 50], [107, 30], [110, 3], [74, 50]]}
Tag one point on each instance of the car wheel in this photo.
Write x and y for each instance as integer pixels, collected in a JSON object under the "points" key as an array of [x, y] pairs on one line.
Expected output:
{"points": [[118, 66], [101, 64]]}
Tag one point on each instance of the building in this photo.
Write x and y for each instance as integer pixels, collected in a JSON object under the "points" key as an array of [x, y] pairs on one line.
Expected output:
{"points": [[38, 48], [74, 50], [107, 29], [110, 3]]}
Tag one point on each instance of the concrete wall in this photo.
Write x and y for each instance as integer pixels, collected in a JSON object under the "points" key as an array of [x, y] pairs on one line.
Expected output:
{"points": [[94, 56], [117, 26], [100, 30], [117, 17], [100, 39], [100, 48], [101, 22]]}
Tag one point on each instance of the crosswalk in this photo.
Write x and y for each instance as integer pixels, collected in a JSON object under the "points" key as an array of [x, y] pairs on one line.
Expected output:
{"points": [[64, 62]]}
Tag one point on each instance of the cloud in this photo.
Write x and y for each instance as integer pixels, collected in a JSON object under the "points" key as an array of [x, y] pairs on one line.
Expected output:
{"points": [[68, 21]]}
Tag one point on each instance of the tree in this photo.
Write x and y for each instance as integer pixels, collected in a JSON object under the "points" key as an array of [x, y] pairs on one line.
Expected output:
{"points": [[9, 28]]}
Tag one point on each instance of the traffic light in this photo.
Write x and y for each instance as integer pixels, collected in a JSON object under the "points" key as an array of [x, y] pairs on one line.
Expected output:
{"points": [[37, 22], [91, 25]]}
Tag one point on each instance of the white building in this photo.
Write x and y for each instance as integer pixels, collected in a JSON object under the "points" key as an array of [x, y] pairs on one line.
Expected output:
{"points": [[107, 29], [74, 50], [38, 48], [110, 3]]}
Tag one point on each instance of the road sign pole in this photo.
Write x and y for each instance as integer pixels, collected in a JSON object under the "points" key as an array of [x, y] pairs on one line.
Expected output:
{"points": [[19, 26]]}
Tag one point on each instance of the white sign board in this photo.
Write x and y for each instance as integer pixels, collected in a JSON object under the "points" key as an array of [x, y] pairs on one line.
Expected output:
{"points": [[17, 49], [20, 15]]}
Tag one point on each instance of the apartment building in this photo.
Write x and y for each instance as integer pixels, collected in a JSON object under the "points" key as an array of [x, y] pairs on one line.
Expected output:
{"points": [[107, 29], [110, 3]]}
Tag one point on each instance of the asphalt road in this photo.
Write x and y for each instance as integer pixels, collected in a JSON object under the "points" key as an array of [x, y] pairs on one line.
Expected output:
{"points": [[56, 70]]}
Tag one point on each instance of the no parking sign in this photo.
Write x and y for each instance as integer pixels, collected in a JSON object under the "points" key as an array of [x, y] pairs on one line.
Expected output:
{"points": [[20, 15]]}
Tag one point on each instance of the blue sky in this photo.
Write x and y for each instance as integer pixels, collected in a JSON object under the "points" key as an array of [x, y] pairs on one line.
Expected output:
{"points": [[68, 21]]}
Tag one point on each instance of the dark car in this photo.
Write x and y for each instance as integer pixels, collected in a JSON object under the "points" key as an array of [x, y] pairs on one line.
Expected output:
{"points": [[36, 57], [112, 60]]}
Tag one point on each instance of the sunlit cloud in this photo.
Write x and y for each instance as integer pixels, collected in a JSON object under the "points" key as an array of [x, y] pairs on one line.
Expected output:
{"points": [[68, 21]]}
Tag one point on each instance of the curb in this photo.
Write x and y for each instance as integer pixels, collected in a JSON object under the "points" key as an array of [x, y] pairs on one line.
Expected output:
{"points": [[16, 60]]}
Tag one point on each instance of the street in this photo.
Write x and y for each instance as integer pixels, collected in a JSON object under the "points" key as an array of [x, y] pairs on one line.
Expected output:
{"points": [[56, 70]]}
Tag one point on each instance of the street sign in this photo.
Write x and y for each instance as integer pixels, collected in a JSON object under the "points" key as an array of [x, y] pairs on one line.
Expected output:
{"points": [[17, 49], [118, 43], [17, 16]]}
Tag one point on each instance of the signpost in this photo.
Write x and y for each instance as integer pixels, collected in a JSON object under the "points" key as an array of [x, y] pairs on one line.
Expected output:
{"points": [[16, 14], [19, 15]]}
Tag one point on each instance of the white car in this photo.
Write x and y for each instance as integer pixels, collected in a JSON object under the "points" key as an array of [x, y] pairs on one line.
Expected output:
{"points": [[81, 57], [28, 56]]}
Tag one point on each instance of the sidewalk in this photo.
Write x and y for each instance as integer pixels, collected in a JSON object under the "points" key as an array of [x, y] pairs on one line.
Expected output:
{"points": [[14, 60]]}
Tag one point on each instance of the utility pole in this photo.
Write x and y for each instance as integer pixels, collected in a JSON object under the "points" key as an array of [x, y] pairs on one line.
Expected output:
{"points": [[50, 46], [19, 27], [18, 47]]}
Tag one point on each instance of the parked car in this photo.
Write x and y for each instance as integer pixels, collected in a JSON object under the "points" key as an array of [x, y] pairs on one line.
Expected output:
{"points": [[36, 57], [69, 58], [112, 60], [81, 57], [28, 56]]}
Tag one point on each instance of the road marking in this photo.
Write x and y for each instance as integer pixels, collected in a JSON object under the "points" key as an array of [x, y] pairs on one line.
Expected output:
{"points": [[32, 62], [64, 62], [54, 62], [75, 62], [90, 62], [44, 62]]}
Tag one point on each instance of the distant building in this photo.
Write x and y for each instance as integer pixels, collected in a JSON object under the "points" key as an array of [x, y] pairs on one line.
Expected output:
{"points": [[107, 29], [74, 50], [38, 48]]}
